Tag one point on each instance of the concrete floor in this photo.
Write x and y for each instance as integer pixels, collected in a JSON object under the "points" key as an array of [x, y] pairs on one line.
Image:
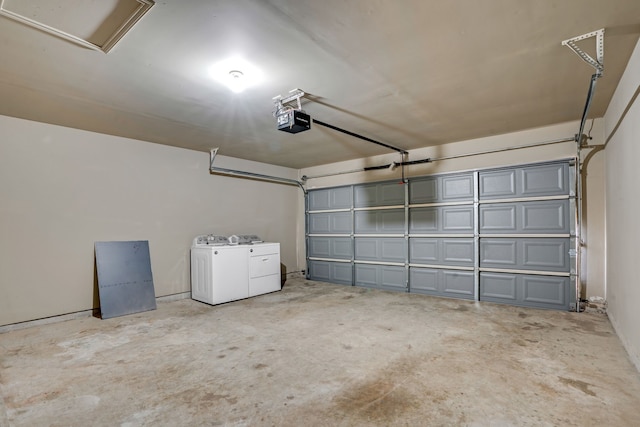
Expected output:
{"points": [[325, 355]]}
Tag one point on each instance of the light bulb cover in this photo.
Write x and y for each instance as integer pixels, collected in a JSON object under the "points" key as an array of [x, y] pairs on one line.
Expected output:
{"points": [[236, 73]]}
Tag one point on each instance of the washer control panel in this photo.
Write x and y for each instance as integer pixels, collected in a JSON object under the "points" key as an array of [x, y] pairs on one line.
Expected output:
{"points": [[211, 240]]}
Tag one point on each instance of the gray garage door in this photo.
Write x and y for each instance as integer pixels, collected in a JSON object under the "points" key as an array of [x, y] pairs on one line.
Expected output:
{"points": [[502, 235]]}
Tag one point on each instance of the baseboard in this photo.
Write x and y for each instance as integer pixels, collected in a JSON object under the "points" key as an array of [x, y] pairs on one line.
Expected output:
{"points": [[632, 352], [174, 297], [46, 321], [79, 315]]}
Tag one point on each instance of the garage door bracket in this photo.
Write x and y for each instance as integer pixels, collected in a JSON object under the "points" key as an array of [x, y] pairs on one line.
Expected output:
{"points": [[597, 63]]}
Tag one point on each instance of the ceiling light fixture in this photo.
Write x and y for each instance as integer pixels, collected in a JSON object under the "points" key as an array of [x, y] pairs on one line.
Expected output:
{"points": [[236, 73], [236, 82]]}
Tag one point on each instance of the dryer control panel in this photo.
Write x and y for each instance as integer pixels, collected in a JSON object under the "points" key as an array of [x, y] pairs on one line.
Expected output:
{"points": [[244, 239]]}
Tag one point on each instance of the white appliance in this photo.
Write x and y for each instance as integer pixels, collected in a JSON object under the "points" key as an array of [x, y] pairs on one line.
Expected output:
{"points": [[228, 269]]}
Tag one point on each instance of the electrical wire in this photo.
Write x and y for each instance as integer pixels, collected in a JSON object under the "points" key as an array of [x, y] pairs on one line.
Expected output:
{"points": [[589, 132]]}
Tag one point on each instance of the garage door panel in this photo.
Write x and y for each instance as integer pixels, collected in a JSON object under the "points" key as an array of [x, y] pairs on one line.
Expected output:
{"points": [[341, 222], [545, 254], [423, 220], [331, 198], [457, 187], [319, 247], [393, 278], [389, 249], [457, 219], [319, 270], [365, 222], [364, 196], [442, 251], [342, 273], [536, 291], [380, 276], [380, 194], [459, 284], [442, 282], [319, 200], [423, 190], [545, 289], [366, 275], [527, 181], [500, 286], [366, 249], [544, 180], [441, 219], [330, 222], [393, 249], [333, 272], [341, 247], [545, 217], [540, 254], [341, 198], [319, 223], [500, 218], [534, 217], [424, 280], [457, 251], [443, 188], [424, 250], [330, 247], [389, 221], [499, 253], [497, 184], [391, 193]]}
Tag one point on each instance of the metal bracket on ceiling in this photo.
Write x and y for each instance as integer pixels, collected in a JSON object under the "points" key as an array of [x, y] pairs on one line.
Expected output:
{"points": [[597, 63], [280, 102], [212, 156]]}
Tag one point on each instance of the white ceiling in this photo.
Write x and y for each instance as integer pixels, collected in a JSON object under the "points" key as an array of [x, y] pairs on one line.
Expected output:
{"points": [[407, 73]]}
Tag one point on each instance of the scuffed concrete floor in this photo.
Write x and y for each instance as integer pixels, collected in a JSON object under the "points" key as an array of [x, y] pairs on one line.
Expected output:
{"points": [[317, 354]]}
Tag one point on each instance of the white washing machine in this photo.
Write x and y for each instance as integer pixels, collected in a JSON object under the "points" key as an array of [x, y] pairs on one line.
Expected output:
{"points": [[228, 269]]}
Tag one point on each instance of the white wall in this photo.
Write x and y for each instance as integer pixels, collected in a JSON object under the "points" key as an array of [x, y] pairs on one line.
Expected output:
{"points": [[63, 189], [593, 231], [623, 206]]}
